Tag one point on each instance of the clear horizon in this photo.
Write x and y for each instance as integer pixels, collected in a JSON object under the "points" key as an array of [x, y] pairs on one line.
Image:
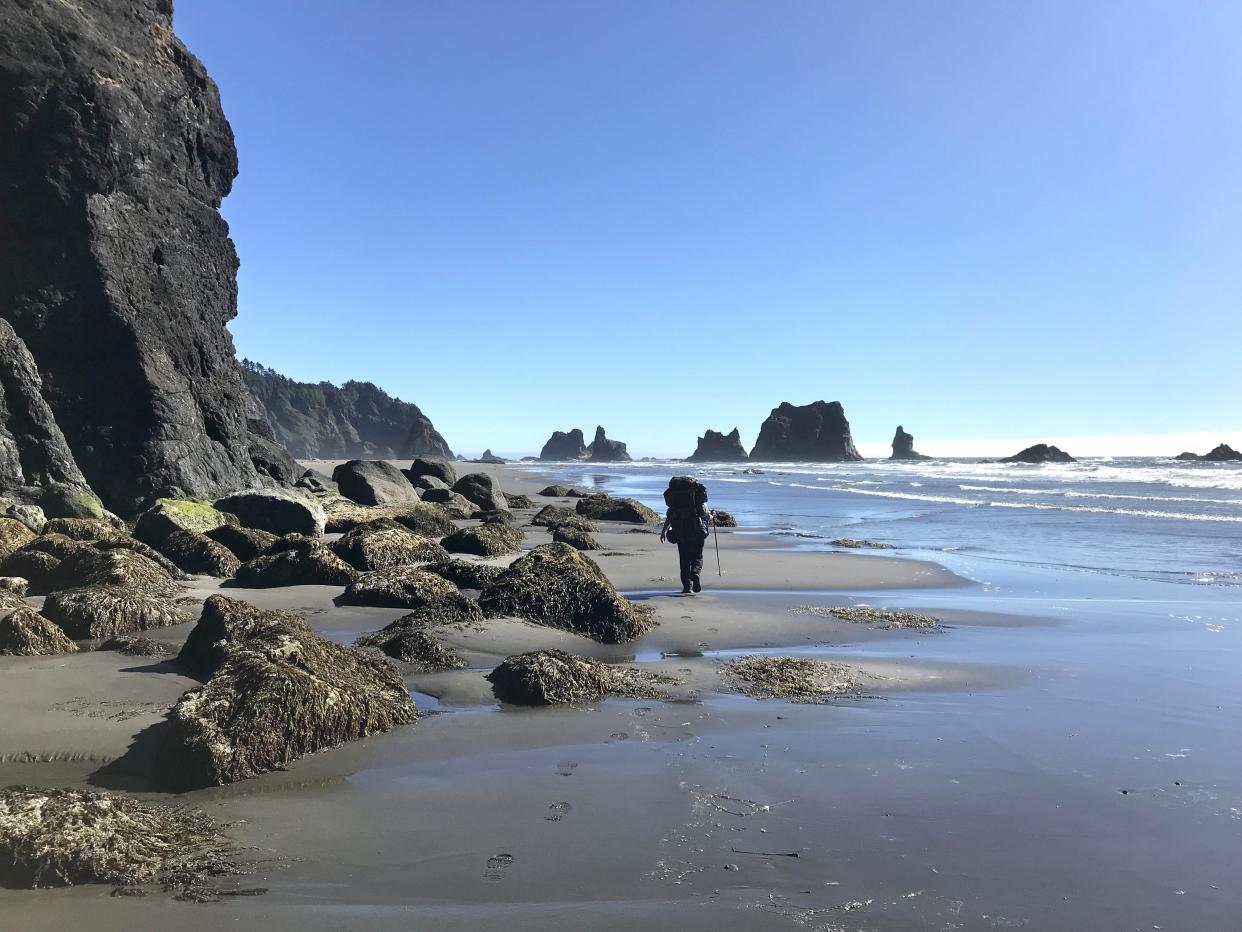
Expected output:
{"points": [[983, 222]]}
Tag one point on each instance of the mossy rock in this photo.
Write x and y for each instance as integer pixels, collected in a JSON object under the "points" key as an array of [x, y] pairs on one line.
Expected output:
{"points": [[486, 540], [303, 561], [245, 543], [68, 501], [197, 553], [26, 633], [466, 574], [13, 535], [276, 692], [94, 612], [553, 677], [603, 508], [384, 544], [173, 514], [578, 539], [400, 587], [555, 585], [115, 567]]}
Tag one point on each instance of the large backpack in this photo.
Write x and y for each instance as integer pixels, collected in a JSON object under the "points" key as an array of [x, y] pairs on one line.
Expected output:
{"points": [[685, 492]]}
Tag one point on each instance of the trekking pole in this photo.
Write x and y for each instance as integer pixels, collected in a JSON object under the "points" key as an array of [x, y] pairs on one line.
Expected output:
{"points": [[716, 538]]}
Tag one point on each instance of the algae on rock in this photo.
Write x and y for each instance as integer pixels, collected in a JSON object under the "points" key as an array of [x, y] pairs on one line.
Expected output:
{"points": [[547, 677]]}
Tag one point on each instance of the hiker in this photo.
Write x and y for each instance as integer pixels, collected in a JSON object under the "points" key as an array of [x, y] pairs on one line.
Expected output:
{"points": [[687, 525]]}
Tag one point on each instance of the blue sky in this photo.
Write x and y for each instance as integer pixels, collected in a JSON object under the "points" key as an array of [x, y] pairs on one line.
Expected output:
{"points": [[980, 220]]}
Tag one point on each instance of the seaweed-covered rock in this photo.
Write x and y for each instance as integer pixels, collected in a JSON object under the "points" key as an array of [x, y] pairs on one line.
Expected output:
{"points": [[246, 543], [302, 561], [58, 545], [556, 491], [797, 679], [16, 585], [197, 553], [278, 512], [10, 600], [400, 587], [722, 518], [495, 517], [815, 433], [273, 698], [373, 482], [557, 586], [554, 516], [518, 501], [136, 646], [465, 574], [26, 633], [35, 566], [564, 445], [384, 544], [482, 490], [548, 677], [485, 540], [453, 504], [13, 535], [427, 520], [409, 638], [1040, 453], [603, 450], [56, 838], [119, 567], [168, 515], [108, 611], [87, 530], [438, 468], [576, 538], [603, 508], [715, 447], [125, 542]]}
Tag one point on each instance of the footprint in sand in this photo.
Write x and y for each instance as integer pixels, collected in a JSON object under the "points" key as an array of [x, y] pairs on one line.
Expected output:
{"points": [[566, 769], [496, 866], [557, 811]]}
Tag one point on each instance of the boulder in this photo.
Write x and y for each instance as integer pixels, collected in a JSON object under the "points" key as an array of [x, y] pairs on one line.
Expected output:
{"points": [[408, 640], [427, 483], [551, 677], [119, 567], [89, 530], [30, 515], [246, 543], [275, 692], [95, 612], [453, 504], [562, 446], [602, 508], [465, 574], [426, 520], [715, 447], [14, 585], [554, 516], [384, 544], [275, 511], [197, 553], [58, 545], [482, 490], [495, 517], [36, 567], [13, 535], [136, 646], [297, 562], [814, 433], [485, 540], [903, 446], [26, 633], [435, 468], [603, 450], [168, 515], [518, 501], [400, 587], [1040, 453], [143, 550], [556, 491], [555, 585], [722, 518], [123, 280], [575, 537], [317, 483], [70, 501], [373, 482]]}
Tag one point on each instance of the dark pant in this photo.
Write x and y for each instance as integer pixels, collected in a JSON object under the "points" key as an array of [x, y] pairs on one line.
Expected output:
{"points": [[691, 554]]}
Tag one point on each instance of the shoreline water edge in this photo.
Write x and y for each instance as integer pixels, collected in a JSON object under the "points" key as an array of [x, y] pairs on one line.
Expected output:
{"points": [[1056, 752]]}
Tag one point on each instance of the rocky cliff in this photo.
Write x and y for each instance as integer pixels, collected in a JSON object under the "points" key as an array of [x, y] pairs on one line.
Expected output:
{"points": [[603, 450], [564, 446], [903, 446], [814, 433], [116, 268], [715, 447], [355, 421]]}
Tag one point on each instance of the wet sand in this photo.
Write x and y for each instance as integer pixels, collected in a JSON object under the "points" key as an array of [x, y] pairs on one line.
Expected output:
{"points": [[977, 784]]}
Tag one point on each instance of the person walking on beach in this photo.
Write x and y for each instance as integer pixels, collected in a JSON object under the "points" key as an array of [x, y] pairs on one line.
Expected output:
{"points": [[687, 525]]}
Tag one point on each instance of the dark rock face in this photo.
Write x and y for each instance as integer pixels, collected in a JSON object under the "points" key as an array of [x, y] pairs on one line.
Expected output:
{"points": [[1040, 453], [481, 489], [356, 420], [1221, 454], [245, 543], [436, 468], [603, 450], [114, 158], [564, 446], [373, 482], [715, 447], [903, 446], [275, 511], [814, 433]]}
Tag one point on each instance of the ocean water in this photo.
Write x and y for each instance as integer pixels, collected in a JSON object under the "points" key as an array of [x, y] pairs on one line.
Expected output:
{"points": [[1144, 518]]}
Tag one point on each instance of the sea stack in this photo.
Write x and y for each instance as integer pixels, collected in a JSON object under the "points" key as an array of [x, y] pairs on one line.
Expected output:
{"points": [[119, 276], [814, 433], [603, 450], [1040, 453], [715, 447], [563, 446], [1220, 454], [903, 446]]}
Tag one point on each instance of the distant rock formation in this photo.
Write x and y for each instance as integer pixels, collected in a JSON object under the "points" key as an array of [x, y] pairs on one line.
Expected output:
{"points": [[903, 447], [355, 421], [1040, 453], [117, 271], [489, 457], [715, 447], [814, 433], [603, 450], [564, 446], [1220, 454]]}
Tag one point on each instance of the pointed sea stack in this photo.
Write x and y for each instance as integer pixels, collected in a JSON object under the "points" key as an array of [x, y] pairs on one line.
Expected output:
{"points": [[603, 450], [903, 447], [117, 271], [715, 447], [1040, 453], [814, 433], [563, 446]]}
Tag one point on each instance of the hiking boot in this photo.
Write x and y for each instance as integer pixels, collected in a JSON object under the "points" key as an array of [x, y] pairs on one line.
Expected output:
{"points": [[694, 581], [685, 591]]}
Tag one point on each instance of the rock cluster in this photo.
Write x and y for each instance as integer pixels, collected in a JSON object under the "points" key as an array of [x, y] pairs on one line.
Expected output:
{"points": [[715, 447], [1220, 454], [814, 433]]}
